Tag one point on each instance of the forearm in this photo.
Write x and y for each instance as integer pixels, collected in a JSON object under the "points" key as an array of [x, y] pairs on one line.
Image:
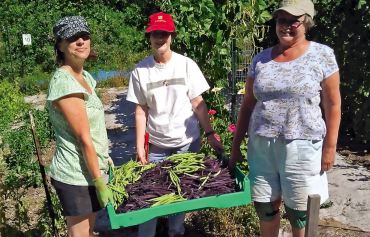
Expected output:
{"points": [[332, 118], [331, 101], [90, 157], [201, 111], [140, 119]]}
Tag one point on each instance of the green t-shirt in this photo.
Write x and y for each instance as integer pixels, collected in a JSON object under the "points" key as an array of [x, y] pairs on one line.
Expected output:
{"points": [[68, 164]]}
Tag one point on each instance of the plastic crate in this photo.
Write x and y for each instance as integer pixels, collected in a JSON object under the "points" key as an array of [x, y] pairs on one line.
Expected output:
{"points": [[238, 198]]}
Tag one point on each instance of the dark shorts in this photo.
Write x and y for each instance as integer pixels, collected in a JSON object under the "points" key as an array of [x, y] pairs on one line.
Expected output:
{"points": [[76, 200]]}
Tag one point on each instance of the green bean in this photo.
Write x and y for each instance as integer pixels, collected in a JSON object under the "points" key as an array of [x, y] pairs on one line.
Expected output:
{"points": [[166, 199], [205, 179]]}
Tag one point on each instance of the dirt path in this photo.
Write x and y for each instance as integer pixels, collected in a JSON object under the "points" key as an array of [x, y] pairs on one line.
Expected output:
{"points": [[349, 189], [120, 123]]}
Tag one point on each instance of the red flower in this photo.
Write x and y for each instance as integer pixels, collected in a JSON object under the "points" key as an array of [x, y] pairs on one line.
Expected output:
{"points": [[212, 112], [231, 128]]}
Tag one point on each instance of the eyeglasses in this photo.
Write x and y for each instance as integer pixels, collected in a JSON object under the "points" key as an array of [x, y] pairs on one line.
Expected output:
{"points": [[160, 34], [295, 23]]}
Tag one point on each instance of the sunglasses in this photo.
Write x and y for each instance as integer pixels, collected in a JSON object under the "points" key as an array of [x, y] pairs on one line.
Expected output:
{"points": [[74, 38], [160, 34], [295, 23]]}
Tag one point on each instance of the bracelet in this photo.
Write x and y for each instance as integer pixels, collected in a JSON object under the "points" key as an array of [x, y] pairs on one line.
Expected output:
{"points": [[207, 134]]}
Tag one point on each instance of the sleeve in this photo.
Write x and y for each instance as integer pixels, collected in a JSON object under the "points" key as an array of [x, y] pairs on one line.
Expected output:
{"points": [[197, 83], [135, 92], [63, 84], [329, 63], [252, 68]]}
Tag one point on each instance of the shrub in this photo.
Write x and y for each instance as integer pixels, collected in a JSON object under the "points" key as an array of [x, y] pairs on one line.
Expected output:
{"points": [[12, 104], [22, 165], [232, 222], [35, 82]]}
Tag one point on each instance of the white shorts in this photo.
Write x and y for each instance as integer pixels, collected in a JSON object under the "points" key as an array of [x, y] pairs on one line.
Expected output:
{"points": [[287, 169]]}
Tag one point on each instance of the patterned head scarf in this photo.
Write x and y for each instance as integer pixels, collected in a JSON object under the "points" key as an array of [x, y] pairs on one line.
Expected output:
{"points": [[69, 26]]}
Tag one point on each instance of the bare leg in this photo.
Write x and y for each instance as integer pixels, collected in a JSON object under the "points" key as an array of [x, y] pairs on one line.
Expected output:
{"points": [[298, 232], [81, 226], [271, 228]]}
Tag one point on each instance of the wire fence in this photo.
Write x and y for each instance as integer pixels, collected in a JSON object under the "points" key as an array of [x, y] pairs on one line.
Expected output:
{"points": [[240, 61]]}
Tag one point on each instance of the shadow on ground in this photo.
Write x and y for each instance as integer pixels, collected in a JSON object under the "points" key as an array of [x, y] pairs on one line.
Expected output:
{"points": [[122, 138]]}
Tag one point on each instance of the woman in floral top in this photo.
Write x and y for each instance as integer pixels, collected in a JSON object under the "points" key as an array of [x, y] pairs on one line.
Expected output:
{"points": [[291, 143]]}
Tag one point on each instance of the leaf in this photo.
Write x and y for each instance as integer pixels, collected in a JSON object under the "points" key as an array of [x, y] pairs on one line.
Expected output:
{"points": [[360, 4], [264, 16], [219, 37]]}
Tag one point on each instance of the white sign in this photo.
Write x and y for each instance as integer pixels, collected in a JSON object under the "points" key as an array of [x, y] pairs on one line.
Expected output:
{"points": [[26, 39]]}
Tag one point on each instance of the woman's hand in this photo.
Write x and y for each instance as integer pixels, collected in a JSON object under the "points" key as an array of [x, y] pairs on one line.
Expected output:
{"points": [[214, 140], [236, 157], [141, 156], [328, 158], [103, 193]]}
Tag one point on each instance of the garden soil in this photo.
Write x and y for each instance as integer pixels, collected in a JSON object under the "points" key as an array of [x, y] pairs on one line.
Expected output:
{"points": [[346, 214]]}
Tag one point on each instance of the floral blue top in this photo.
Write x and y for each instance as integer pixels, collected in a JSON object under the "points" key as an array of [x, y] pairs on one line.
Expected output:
{"points": [[288, 93]]}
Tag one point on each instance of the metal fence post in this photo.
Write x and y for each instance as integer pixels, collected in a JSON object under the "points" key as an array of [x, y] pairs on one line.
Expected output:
{"points": [[233, 80]]}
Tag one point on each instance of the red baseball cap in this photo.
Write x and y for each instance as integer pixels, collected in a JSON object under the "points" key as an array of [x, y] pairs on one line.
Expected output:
{"points": [[160, 21]]}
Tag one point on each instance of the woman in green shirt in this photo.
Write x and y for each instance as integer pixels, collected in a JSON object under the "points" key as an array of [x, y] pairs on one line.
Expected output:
{"points": [[81, 158]]}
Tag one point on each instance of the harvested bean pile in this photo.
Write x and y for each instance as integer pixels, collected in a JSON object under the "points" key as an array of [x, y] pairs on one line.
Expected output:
{"points": [[180, 177]]}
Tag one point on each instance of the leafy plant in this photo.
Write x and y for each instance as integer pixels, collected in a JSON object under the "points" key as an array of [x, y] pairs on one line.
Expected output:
{"points": [[119, 45], [3, 171], [22, 165], [231, 222], [35, 82], [12, 104]]}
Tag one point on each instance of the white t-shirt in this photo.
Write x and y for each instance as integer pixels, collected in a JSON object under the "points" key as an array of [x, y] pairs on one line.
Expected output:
{"points": [[167, 90]]}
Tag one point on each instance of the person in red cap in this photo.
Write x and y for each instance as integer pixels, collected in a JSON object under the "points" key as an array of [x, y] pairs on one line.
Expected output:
{"points": [[167, 89]]}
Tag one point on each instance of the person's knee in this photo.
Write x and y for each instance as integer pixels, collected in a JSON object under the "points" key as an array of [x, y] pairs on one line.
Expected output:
{"points": [[266, 210], [296, 218]]}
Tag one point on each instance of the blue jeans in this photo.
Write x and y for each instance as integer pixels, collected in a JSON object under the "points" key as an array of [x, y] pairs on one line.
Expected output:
{"points": [[175, 222]]}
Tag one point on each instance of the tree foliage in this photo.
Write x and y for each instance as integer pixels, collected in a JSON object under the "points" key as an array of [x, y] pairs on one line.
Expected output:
{"points": [[114, 34], [345, 26]]}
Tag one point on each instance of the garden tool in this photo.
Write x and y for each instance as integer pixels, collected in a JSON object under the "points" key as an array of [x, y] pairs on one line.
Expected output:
{"points": [[43, 175]]}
